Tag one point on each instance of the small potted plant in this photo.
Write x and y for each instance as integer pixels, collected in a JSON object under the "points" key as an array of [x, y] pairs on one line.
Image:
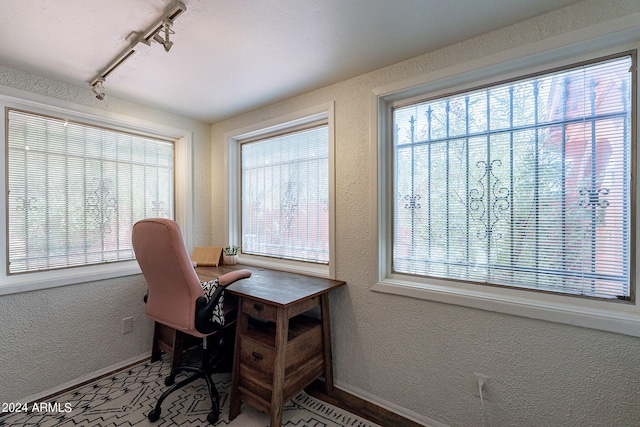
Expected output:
{"points": [[230, 255]]}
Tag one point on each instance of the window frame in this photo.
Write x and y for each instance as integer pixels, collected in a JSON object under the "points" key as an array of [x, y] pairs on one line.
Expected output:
{"points": [[614, 316], [500, 84], [183, 185], [282, 124]]}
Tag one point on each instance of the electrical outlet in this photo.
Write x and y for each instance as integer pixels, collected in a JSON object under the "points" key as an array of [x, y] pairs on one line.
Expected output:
{"points": [[480, 386], [127, 325]]}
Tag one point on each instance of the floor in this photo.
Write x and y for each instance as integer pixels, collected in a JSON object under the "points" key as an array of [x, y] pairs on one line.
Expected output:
{"points": [[125, 398]]}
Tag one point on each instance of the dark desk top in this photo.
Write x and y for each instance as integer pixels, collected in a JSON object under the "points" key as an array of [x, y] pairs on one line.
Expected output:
{"points": [[272, 286]]}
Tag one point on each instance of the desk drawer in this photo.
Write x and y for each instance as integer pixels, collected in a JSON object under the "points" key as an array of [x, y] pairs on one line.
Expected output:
{"points": [[259, 310], [257, 355]]}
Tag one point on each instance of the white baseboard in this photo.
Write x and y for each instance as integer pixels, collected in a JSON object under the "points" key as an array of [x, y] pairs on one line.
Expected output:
{"points": [[85, 378], [403, 412]]}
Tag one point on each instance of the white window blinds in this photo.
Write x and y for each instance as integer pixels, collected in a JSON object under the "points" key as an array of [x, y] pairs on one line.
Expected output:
{"points": [[75, 191], [285, 204], [525, 184]]}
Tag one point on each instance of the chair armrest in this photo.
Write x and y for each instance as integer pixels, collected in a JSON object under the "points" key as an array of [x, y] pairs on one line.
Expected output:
{"points": [[233, 276]]}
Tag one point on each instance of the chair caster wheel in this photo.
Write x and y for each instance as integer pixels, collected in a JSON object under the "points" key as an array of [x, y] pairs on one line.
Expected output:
{"points": [[213, 417], [170, 380], [154, 415]]}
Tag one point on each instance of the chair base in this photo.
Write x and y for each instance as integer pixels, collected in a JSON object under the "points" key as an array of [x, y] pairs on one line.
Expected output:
{"points": [[204, 372]]}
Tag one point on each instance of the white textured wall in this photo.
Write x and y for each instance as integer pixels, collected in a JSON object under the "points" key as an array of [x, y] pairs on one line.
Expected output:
{"points": [[418, 357], [52, 337]]}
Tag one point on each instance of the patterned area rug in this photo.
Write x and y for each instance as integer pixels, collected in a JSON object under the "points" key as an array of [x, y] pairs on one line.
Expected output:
{"points": [[125, 399]]}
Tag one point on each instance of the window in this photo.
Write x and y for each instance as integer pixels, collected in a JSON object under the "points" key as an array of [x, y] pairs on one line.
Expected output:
{"points": [[75, 190], [522, 184], [285, 196], [281, 191]]}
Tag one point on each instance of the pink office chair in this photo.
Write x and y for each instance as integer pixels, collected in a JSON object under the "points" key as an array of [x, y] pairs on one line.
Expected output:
{"points": [[176, 297]]}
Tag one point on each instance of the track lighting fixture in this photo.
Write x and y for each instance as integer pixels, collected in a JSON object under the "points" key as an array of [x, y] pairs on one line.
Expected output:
{"points": [[159, 32]]}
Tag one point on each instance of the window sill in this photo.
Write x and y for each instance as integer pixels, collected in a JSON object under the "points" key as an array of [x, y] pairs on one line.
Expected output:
{"points": [[70, 276], [611, 316], [297, 267]]}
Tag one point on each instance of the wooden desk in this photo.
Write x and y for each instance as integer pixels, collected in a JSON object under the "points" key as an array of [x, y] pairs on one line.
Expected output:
{"points": [[278, 350]]}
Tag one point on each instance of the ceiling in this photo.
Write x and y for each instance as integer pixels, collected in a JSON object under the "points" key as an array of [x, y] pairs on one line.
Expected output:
{"points": [[230, 56]]}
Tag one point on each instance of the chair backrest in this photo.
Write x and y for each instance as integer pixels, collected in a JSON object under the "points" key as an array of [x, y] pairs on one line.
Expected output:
{"points": [[173, 283]]}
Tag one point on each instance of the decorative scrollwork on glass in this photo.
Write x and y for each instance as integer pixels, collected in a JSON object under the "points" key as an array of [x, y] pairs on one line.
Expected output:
{"points": [[289, 206], [158, 208], [26, 204], [100, 205], [412, 201], [591, 198], [489, 202]]}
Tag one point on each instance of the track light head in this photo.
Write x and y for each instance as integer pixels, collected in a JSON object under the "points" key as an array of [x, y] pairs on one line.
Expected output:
{"points": [[164, 41], [158, 38], [98, 89]]}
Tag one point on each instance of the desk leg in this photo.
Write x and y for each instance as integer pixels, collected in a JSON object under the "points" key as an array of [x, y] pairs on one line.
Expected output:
{"points": [[277, 391], [241, 326], [326, 339]]}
